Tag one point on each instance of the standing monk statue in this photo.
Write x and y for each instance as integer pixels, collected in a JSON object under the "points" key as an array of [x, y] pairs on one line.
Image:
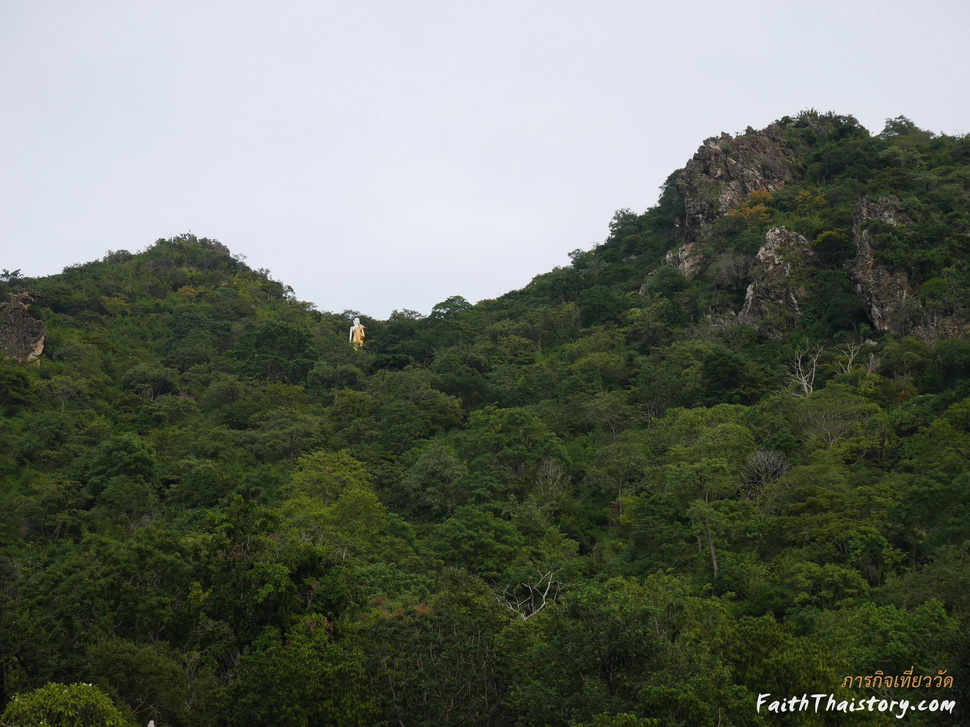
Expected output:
{"points": [[357, 333]]}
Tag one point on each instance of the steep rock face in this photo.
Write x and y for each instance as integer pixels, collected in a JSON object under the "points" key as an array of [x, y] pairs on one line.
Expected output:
{"points": [[778, 289], [892, 301], [21, 337], [686, 258], [726, 169]]}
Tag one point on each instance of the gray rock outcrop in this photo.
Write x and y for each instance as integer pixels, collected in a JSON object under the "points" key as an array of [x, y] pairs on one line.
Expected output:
{"points": [[21, 336], [687, 258], [891, 300], [726, 169], [779, 287]]}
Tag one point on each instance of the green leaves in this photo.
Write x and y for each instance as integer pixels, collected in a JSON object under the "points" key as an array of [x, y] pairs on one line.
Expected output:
{"points": [[123, 455], [63, 705], [483, 543], [301, 680], [16, 386], [439, 662], [220, 512]]}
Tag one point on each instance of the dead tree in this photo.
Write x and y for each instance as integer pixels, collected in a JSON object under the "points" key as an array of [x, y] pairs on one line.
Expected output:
{"points": [[803, 369], [527, 598]]}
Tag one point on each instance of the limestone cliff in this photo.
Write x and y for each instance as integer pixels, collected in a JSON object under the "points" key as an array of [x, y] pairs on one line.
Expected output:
{"points": [[726, 169], [719, 177], [21, 336], [687, 258], [778, 288], [892, 301], [726, 173]]}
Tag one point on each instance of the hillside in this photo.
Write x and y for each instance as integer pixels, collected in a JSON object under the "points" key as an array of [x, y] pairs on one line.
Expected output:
{"points": [[723, 454]]}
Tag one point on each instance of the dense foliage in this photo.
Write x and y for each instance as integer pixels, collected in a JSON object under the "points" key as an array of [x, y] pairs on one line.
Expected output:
{"points": [[589, 502]]}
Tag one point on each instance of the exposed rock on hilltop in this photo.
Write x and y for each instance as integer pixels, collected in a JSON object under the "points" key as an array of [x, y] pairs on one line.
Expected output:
{"points": [[892, 301], [726, 169], [778, 290], [21, 336], [745, 177]]}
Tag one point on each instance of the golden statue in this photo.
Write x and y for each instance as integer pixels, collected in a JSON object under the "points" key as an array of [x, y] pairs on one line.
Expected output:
{"points": [[357, 333]]}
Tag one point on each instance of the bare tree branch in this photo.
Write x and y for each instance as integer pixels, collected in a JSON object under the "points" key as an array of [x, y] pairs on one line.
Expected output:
{"points": [[850, 352], [526, 599], [873, 363], [803, 369]]}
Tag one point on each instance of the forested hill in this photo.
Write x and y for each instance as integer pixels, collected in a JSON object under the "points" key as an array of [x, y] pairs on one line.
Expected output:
{"points": [[725, 453]]}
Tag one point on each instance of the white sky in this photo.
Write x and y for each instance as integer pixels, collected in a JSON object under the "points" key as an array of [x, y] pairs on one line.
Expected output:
{"points": [[379, 155]]}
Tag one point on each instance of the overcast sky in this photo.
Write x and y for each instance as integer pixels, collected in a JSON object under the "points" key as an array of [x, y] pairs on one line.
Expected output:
{"points": [[379, 155]]}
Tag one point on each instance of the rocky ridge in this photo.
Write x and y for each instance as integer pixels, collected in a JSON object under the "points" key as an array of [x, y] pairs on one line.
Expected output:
{"points": [[726, 169], [21, 336], [722, 175], [778, 289], [892, 301]]}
